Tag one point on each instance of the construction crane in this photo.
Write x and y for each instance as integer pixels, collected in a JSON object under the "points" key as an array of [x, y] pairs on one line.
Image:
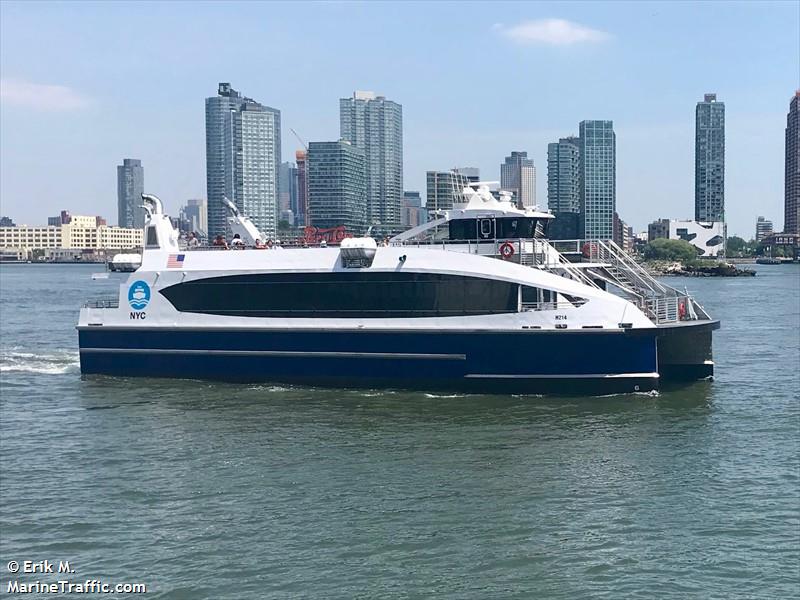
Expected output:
{"points": [[299, 139]]}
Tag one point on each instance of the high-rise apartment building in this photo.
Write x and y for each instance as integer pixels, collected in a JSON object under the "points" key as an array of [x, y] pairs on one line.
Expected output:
{"points": [[598, 179], [444, 188], [301, 214], [243, 154], [564, 176], [130, 187], [518, 175], [709, 160], [337, 191], [791, 219], [763, 228], [375, 125]]}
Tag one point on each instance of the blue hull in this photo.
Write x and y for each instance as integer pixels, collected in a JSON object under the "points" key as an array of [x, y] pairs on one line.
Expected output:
{"points": [[576, 361]]}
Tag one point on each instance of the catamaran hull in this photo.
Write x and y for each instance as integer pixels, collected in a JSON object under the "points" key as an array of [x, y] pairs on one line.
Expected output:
{"points": [[685, 350], [525, 362]]}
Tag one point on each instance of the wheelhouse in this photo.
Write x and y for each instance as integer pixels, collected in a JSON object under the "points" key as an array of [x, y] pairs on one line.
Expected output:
{"points": [[491, 227]]}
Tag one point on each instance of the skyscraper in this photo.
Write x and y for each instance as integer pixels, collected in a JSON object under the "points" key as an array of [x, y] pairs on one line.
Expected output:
{"points": [[375, 125], [287, 197], [563, 176], [598, 179], [444, 188], [518, 175], [301, 214], [130, 187], [791, 220], [709, 160], [337, 192], [243, 154]]}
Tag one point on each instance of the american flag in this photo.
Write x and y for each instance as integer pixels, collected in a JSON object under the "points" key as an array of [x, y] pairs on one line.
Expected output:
{"points": [[175, 261]]}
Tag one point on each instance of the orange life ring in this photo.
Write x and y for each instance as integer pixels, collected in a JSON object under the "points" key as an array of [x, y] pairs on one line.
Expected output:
{"points": [[681, 310], [507, 250]]}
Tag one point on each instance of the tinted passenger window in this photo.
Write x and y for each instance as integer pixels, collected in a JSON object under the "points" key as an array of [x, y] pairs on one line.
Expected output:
{"points": [[344, 295]]}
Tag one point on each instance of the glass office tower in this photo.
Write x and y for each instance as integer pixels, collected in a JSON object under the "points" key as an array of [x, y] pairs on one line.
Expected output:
{"points": [[598, 175]]}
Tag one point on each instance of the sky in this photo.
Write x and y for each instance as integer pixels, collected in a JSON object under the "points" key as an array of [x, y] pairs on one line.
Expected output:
{"points": [[84, 85]]}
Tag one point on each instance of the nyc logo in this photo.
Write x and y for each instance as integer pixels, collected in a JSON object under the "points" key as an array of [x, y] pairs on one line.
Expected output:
{"points": [[139, 295]]}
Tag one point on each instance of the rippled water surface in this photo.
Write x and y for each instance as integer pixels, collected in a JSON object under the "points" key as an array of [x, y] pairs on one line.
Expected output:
{"points": [[207, 490]]}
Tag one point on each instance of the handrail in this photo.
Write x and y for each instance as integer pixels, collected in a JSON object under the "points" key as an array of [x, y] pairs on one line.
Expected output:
{"points": [[105, 302], [635, 267], [609, 252], [537, 306]]}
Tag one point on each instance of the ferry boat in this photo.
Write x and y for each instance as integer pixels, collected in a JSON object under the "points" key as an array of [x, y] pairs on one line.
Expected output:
{"points": [[125, 263], [477, 300]]}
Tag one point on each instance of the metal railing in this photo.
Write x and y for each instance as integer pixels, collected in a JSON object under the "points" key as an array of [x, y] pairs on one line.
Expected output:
{"points": [[626, 269], [529, 252], [107, 302], [664, 310], [537, 306]]}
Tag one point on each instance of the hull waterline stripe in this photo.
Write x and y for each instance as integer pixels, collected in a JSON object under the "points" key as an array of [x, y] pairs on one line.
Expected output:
{"points": [[566, 376], [277, 353]]}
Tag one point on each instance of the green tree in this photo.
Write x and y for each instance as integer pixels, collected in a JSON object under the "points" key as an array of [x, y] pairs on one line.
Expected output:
{"points": [[736, 245], [662, 249]]}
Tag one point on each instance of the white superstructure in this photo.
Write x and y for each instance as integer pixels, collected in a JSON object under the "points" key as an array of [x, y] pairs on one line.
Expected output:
{"points": [[363, 313]]}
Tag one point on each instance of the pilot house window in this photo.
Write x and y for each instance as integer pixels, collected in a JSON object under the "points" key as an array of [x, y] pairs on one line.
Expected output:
{"points": [[152, 237]]}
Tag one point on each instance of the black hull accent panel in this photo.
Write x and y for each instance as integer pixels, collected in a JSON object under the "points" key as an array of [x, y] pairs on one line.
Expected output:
{"points": [[685, 350]]}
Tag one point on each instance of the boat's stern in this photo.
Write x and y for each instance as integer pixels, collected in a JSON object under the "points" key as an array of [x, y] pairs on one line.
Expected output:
{"points": [[685, 350]]}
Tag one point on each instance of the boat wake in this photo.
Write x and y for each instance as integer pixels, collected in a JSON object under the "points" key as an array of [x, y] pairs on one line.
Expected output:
{"points": [[45, 363]]}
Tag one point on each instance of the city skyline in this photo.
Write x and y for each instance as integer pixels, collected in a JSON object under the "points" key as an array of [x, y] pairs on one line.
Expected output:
{"points": [[652, 66]]}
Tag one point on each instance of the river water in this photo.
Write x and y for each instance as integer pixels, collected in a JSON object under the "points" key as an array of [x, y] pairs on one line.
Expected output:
{"points": [[202, 490]]}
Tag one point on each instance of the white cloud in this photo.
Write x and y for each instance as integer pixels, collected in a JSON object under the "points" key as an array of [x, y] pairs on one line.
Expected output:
{"points": [[37, 96], [553, 32]]}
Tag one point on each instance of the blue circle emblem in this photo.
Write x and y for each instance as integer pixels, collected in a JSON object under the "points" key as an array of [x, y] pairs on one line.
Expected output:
{"points": [[139, 295]]}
